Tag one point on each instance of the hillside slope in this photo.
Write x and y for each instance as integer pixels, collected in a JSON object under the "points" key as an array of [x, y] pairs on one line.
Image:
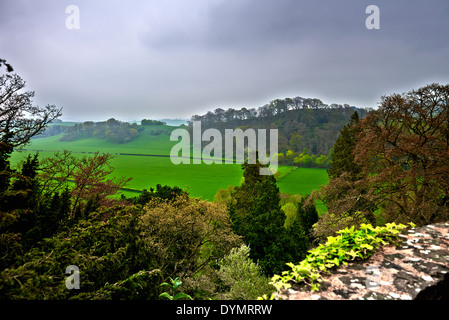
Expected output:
{"points": [[147, 160]]}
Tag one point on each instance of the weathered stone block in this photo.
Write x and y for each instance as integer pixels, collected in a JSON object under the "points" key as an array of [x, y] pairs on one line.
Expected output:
{"points": [[417, 267]]}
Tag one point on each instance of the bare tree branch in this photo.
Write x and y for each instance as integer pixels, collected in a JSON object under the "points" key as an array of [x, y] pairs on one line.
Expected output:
{"points": [[20, 120]]}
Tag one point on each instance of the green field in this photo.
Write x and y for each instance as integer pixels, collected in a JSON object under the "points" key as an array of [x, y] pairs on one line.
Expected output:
{"points": [[302, 180], [152, 165], [145, 143]]}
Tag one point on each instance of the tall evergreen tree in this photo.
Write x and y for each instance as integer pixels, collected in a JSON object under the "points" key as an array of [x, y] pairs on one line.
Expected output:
{"points": [[307, 215], [257, 216], [347, 171], [5, 169], [66, 205], [343, 151]]}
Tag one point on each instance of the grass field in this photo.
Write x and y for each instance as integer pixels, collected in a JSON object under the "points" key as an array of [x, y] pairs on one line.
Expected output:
{"points": [[145, 143], [302, 180], [148, 171]]}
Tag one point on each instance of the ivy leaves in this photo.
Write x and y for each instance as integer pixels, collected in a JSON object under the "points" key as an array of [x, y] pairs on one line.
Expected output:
{"points": [[349, 244]]}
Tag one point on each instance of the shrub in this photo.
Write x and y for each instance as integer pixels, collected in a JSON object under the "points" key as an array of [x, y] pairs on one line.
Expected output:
{"points": [[188, 234], [290, 211], [242, 276]]}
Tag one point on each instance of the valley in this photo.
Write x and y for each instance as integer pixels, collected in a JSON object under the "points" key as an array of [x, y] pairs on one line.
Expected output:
{"points": [[146, 159]]}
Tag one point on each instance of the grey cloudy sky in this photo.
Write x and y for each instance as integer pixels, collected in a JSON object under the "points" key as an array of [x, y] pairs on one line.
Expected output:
{"points": [[176, 58]]}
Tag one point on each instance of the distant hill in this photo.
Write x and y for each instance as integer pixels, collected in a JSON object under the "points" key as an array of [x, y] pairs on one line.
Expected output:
{"points": [[151, 140], [175, 122], [116, 131], [305, 126]]}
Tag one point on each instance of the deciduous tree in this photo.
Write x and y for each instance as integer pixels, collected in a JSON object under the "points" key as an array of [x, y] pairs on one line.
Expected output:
{"points": [[87, 178], [399, 165], [188, 234], [403, 149], [20, 120]]}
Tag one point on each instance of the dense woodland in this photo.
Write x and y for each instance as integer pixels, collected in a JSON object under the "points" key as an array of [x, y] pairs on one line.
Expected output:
{"points": [[391, 165], [307, 128]]}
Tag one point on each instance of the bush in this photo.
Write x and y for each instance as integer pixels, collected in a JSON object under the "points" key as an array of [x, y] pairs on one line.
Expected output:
{"points": [[290, 214], [242, 276], [156, 132], [188, 234]]}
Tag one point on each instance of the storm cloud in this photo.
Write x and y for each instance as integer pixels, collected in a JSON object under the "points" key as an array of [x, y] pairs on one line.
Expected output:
{"points": [[173, 58]]}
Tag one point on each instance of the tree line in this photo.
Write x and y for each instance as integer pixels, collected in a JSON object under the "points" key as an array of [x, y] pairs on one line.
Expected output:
{"points": [[307, 127], [112, 130]]}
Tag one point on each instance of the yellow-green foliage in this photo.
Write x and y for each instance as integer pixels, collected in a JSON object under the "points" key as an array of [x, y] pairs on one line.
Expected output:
{"points": [[242, 276], [349, 244], [290, 211]]}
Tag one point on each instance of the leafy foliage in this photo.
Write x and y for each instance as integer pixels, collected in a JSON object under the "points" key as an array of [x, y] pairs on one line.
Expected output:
{"points": [[88, 178], [330, 222], [147, 122], [301, 122], [161, 192], [343, 151], [97, 247], [405, 155], [123, 252], [257, 216], [243, 278], [395, 161], [173, 286], [189, 234], [348, 245]]}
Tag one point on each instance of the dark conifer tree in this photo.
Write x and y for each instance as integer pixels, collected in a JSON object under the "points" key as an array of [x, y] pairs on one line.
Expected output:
{"points": [[257, 216], [343, 151], [5, 169], [65, 208], [306, 216]]}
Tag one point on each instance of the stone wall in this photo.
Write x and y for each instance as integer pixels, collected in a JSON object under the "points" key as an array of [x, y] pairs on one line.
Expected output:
{"points": [[416, 268]]}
